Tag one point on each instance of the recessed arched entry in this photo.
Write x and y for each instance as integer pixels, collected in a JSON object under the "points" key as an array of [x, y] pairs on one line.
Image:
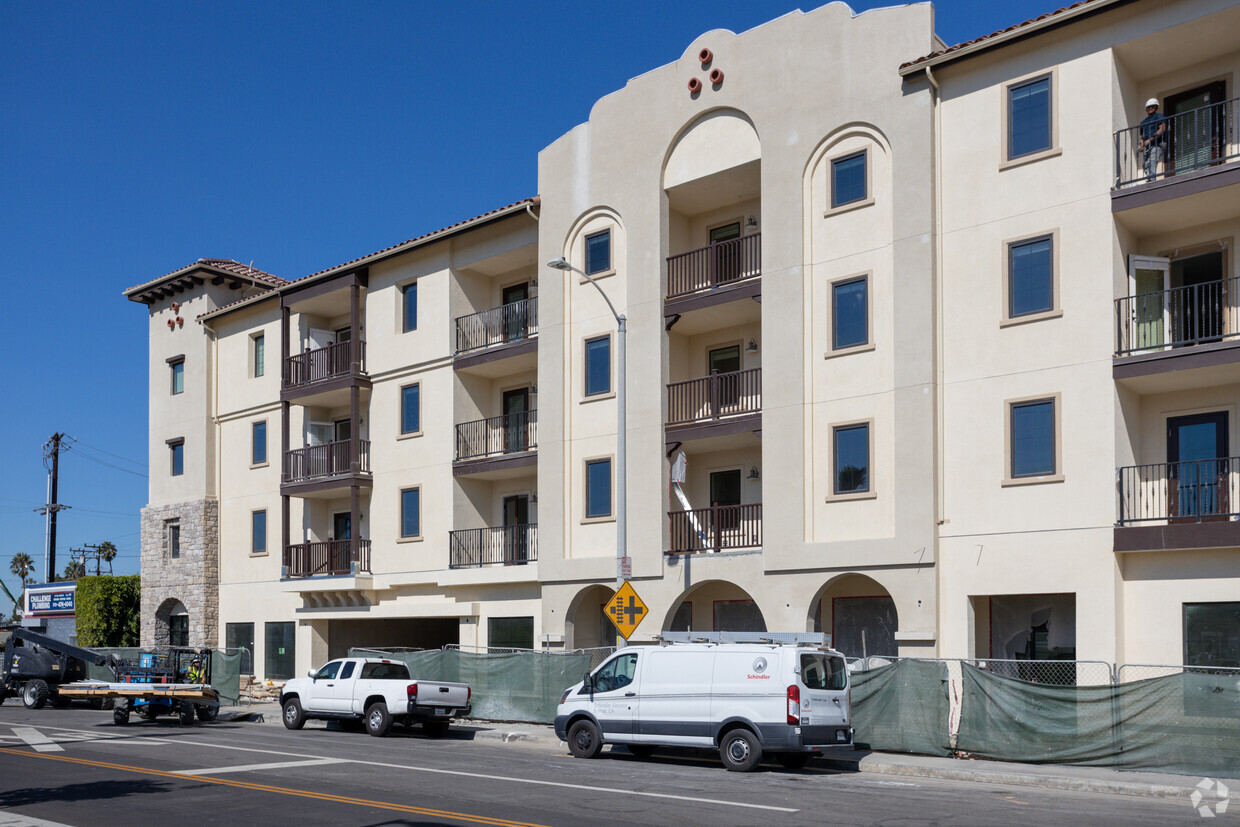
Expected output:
{"points": [[586, 625], [715, 606], [172, 623], [858, 613]]}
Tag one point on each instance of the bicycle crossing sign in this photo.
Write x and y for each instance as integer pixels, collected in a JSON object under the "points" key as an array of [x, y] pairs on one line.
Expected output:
{"points": [[626, 610]]}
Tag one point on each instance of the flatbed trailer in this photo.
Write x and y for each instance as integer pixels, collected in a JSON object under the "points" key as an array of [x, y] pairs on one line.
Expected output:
{"points": [[187, 700]]}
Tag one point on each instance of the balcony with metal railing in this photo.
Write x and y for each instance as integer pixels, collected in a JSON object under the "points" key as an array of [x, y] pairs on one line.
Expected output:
{"points": [[509, 545], [1190, 504], [718, 265], [327, 465], [1181, 317], [497, 327], [1198, 139], [715, 529], [508, 441], [718, 405], [335, 361], [330, 557]]}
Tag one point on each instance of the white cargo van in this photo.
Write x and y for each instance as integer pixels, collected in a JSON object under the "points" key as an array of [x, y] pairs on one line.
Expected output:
{"points": [[786, 695]]}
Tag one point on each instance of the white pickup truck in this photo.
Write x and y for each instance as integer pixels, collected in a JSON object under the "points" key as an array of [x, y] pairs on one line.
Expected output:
{"points": [[377, 692]]}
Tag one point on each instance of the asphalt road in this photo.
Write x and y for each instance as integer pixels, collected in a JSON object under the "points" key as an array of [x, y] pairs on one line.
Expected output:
{"points": [[72, 766]]}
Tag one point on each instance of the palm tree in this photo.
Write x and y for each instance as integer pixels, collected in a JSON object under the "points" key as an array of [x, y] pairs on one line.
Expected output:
{"points": [[22, 565], [107, 553], [75, 569]]}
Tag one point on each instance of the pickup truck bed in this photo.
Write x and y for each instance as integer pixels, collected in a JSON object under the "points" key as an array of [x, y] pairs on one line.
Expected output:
{"points": [[375, 691]]}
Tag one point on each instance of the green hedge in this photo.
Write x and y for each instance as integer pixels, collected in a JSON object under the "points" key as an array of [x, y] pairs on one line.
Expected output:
{"points": [[108, 610]]}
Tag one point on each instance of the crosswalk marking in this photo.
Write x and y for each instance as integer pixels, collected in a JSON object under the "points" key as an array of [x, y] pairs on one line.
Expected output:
{"points": [[37, 739], [252, 767]]}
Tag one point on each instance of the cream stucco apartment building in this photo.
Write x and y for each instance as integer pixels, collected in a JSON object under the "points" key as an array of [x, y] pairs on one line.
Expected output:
{"points": [[917, 356]]}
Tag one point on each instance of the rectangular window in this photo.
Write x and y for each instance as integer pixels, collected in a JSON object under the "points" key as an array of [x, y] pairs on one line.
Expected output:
{"points": [[850, 313], [177, 457], [1212, 634], [598, 488], [510, 632], [260, 355], [598, 365], [241, 636], [598, 252], [172, 537], [1031, 277], [178, 377], [1033, 438], [1029, 117], [258, 443], [411, 512], [409, 297], [848, 180], [851, 468], [178, 630], [279, 645], [258, 532], [410, 409]]}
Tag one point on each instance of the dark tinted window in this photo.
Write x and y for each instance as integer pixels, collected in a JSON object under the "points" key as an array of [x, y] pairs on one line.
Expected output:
{"points": [[410, 409], [258, 454], [598, 488], [598, 252], [598, 365], [1033, 438], [178, 377], [1212, 634], [347, 672], [258, 540], [819, 671], [385, 671], [1029, 117], [848, 180], [410, 512], [849, 314], [411, 306], [178, 458], [852, 459], [328, 671], [1030, 277], [280, 650], [241, 636]]}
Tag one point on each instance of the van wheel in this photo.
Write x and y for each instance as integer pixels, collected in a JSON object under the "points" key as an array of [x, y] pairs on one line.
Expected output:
{"points": [[792, 760], [584, 740], [378, 719], [640, 750], [294, 716], [34, 694], [740, 751]]}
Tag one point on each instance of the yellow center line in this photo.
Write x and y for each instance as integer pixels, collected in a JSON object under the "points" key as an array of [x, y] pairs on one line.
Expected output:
{"points": [[246, 785]]}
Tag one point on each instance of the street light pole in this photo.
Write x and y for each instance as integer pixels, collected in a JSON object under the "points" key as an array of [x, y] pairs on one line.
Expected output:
{"points": [[621, 420]]}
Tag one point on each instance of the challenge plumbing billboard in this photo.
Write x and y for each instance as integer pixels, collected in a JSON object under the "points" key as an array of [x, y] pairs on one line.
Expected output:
{"points": [[50, 600]]}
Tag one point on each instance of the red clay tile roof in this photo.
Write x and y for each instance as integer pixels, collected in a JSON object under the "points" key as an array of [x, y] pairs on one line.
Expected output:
{"points": [[270, 294], [225, 264], [534, 202], [1040, 18]]}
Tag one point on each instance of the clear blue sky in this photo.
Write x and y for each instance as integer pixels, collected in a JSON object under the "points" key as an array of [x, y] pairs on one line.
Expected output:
{"points": [[137, 137]]}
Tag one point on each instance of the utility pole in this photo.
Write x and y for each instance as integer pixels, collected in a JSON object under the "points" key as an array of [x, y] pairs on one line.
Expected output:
{"points": [[52, 448]]}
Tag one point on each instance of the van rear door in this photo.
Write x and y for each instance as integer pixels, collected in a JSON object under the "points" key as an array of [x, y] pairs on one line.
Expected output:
{"points": [[823, 679], [675, 696]]}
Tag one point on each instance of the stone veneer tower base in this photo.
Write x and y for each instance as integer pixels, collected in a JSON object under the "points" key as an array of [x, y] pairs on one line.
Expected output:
{"points": [[192, 578]]}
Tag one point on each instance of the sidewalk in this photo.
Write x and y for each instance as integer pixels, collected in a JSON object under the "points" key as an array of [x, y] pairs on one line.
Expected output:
{"points": [[1045, 776]]}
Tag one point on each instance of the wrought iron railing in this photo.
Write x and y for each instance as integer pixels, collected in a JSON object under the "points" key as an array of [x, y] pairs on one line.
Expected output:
{"points": [[717, 264], [1195, 491], [327, 557], [715, 396], [1196, 139], [507, 434], [718, 528], [1183, 316], [507, 545], [329, 362], [497, 326], [328, 460]]}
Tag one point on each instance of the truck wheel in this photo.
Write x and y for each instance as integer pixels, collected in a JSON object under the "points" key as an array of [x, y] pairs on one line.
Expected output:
{"points": [[793, 760], [378, 719], [435, 729], [584, 740], [34, 694], [740, 751], [207, 713], [185, 711], [294, 715], [120, 714]]}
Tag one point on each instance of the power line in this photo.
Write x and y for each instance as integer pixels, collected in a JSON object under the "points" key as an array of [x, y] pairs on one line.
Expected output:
{"points": [[107, 464], [109, 453]]}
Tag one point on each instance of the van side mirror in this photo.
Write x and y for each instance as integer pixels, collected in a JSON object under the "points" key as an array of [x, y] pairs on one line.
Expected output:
{"points": [[587, 684]]}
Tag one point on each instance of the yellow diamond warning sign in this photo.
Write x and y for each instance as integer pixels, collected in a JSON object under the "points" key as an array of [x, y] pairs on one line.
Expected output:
{"points": [[626, 610]]}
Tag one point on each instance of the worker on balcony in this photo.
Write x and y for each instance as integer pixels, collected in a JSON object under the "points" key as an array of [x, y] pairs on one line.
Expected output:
{"points": [[1153, 138]]}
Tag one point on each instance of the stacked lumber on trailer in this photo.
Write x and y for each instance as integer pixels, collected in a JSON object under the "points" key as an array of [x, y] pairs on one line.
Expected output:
{"points": [[140, 691]]}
